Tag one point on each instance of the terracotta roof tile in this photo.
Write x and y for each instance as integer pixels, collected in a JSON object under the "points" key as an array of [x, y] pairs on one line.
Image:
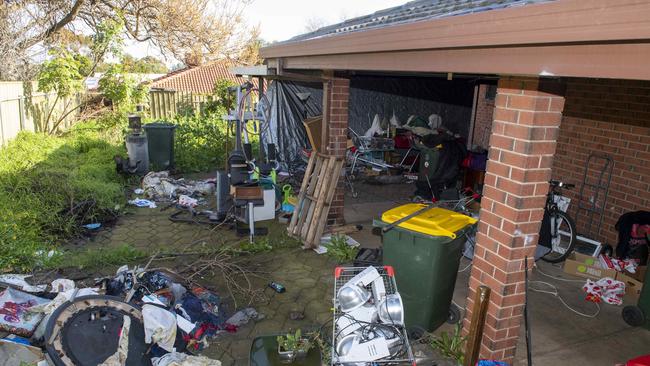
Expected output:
{"points": [[198, 79]]}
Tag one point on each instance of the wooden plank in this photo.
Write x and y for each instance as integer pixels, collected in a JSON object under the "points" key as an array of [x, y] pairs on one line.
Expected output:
{"points": [[314, 128], [312, 189], [326, 179], [320, 225], [302, 193]]}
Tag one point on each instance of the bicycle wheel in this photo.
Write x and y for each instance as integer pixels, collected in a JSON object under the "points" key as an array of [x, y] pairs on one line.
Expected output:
{"points": [[563, 237]]}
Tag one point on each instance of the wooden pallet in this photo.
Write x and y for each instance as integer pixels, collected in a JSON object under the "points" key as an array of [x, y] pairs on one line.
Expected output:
{"points": [[316, 193]]}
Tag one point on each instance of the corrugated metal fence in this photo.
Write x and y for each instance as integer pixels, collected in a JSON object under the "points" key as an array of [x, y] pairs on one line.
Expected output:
{"points": [[165, 104], [22, 108]]}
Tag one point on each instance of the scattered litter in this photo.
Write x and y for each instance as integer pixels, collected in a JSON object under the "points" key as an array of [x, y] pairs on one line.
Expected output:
{"points": [[18, 280], [93, 226], [296, 315], [62, 284], [182, 359], [13, 353], [141, 202], [187, 201], [277, 287], [159, 327], [605, 290], [243, 316], [138, 191], [158, 186], [16, 311], [618, 265]]}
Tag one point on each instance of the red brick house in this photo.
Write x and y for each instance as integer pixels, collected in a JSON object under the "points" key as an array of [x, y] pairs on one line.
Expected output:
{"points": [[572, 78]]}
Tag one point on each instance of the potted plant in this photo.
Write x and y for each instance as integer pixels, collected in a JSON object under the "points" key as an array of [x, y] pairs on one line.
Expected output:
{"points": [[293, 346]]}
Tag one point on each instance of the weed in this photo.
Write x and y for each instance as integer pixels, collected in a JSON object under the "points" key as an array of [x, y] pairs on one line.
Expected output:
{"points": [[339, 249], [259, 245], [49, 187], [294, 342], [96, 258], [451, 346]]}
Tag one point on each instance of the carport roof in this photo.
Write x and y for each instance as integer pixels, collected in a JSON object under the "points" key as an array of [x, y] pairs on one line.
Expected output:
{"points": [[410, 12], [574, 38]]}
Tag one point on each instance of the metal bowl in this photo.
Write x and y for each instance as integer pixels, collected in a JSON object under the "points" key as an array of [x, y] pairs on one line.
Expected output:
{"points": [[391, 309], [351, 297]]}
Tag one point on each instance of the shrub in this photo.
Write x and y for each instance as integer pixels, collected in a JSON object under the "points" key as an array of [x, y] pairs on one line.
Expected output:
{"points": [[201, 143], [49, 187]]}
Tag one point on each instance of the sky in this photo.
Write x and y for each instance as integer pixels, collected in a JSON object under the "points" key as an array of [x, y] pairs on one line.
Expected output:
{"points": [[280, 20]]}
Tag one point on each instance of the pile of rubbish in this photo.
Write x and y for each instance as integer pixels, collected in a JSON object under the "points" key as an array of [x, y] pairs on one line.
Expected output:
{"points": [[137, 317], [160, 187]]}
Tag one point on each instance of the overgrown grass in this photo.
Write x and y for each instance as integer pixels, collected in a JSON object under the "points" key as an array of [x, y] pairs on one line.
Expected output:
{"points": [[97, 257], [50, 186]]}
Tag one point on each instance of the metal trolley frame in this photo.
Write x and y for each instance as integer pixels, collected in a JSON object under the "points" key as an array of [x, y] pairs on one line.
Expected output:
{"points": [[344, 274]]}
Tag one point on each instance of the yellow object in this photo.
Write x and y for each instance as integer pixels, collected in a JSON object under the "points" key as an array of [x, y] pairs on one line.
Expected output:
{"points": [[435, 222], [293, 200]]}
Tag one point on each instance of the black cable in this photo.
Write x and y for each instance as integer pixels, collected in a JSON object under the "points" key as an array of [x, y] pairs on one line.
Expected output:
{"points": [[526, 320]]}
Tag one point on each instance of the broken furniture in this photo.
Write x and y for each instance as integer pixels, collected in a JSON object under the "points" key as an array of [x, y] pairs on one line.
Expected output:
{"points": [[246, 198], [316, 194], [425, 251]]}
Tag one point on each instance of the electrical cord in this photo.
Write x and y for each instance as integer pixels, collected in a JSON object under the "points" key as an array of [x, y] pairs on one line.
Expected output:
{"points": [[554, 291]]}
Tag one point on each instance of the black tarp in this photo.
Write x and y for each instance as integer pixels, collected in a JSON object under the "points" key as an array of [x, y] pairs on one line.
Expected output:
{"points": [[287, 112], [369, 95]]}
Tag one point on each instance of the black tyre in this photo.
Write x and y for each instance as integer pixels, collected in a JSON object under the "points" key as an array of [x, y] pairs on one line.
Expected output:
{"points": [[454, 314], [415, 332], [563, 237], [633, 315]]}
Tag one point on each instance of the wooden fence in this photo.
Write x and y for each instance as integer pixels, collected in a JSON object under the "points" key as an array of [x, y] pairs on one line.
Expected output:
{"points": [[165, 104], [22, 108]]}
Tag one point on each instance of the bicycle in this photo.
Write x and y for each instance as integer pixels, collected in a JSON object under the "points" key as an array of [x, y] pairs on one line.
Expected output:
{"points": [[558, 230]]}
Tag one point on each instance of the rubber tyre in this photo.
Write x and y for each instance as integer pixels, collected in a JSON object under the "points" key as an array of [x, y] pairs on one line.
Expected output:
{"points": [[454, 315], [633, 315], [572, 245], [415, 333]]}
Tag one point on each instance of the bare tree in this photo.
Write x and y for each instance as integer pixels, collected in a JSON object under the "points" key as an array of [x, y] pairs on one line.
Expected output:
{"points": [[314, 23], [210, 28]]}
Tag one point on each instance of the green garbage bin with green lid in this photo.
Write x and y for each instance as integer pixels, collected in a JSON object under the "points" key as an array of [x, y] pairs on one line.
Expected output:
{"points": [[425, 252], [160, 137]]}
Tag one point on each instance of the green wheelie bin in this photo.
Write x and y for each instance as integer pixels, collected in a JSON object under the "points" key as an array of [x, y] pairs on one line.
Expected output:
{"points": [[425, 252], [639, 314], [160, 137]]}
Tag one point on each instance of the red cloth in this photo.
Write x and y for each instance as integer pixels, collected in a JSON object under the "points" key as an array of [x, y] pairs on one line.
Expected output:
{"points": [[639, 361]]}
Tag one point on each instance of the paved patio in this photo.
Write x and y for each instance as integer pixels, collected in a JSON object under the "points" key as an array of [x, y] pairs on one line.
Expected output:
{"points": [[560, 337]]}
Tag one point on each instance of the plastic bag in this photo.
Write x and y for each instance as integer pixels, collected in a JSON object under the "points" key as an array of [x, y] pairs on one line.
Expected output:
{"points": [[605, 290]]}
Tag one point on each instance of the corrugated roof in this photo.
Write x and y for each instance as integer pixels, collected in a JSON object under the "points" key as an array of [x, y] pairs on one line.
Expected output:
{"points": [[411, 12], [198, 79]]}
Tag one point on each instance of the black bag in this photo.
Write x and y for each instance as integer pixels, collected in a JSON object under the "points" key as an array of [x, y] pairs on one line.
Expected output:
{"points": [[633, 230]]}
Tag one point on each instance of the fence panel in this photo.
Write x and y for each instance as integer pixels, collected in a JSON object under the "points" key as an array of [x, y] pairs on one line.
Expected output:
{"points": [[23, 108], [165, 104]]}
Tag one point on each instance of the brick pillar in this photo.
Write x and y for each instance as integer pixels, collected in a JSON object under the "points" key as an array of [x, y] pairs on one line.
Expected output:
{"points": [[336, 104], [522, 144]]}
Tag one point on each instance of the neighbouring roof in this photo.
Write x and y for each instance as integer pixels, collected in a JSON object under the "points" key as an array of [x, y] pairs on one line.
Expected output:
{"points": [[198, 79], [412, 12]]}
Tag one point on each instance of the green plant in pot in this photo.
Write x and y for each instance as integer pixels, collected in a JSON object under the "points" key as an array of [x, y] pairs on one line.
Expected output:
{"points": [[293, 346]]}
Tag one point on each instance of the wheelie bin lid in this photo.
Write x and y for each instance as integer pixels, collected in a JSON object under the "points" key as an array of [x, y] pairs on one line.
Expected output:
{"points": [[435, 222]]}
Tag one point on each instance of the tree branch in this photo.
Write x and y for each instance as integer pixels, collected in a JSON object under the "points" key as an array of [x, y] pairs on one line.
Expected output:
{"points": [[66, 19]]}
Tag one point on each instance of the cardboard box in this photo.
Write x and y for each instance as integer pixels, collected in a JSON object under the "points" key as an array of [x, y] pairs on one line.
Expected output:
{"points": [[633, 284], [586, 266]]}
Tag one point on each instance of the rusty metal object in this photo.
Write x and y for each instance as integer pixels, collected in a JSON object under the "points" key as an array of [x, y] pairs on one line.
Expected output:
{"points": [[479, 311]]}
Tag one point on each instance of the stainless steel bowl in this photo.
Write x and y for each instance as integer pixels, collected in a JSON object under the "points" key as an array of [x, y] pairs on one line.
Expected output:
{"points": [[351, 297]]}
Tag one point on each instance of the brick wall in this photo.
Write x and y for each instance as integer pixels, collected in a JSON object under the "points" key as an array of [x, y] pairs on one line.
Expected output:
{"points": [[483, 118], [610, 116], [338, 96], [523, 140]]}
